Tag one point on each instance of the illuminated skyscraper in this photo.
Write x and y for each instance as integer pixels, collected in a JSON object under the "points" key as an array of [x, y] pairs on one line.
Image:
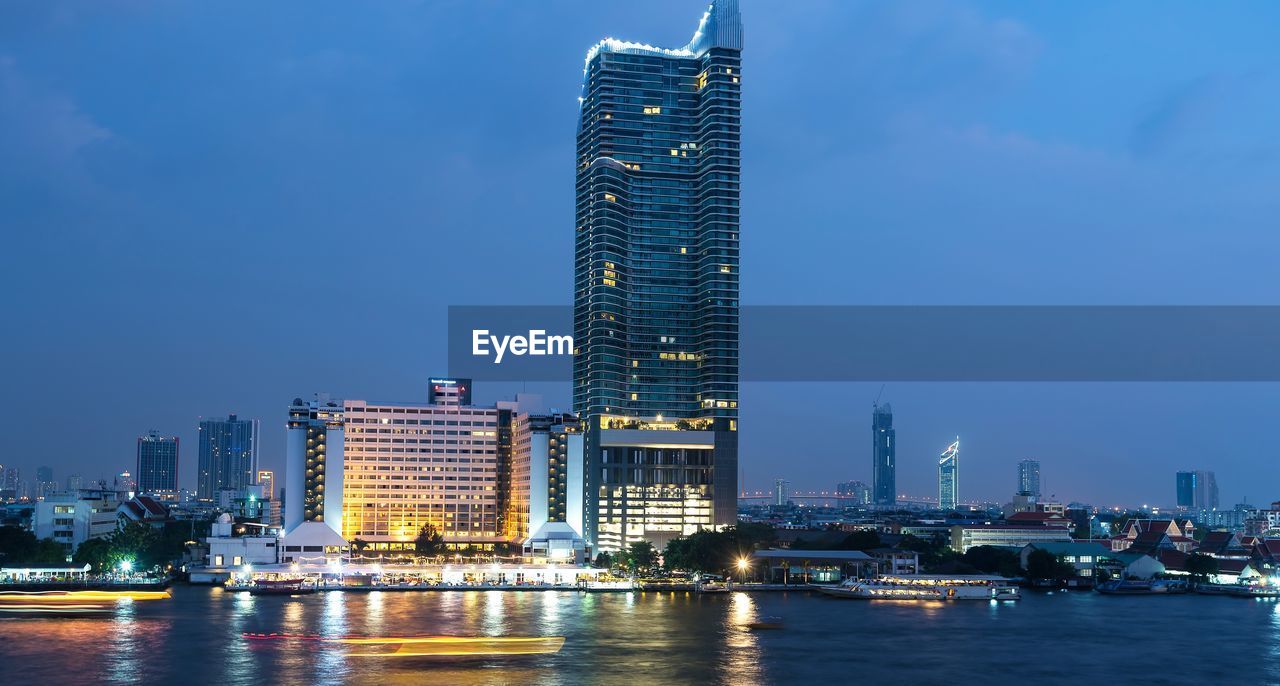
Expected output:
{"points": [[228, 456], [1029, 478], [1197, 490], [884, 464], [949, 476], [157, 472], [314, 453], [656, 283]]}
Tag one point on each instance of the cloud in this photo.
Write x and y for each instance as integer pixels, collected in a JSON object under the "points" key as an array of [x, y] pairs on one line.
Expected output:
{"points": [[43, 134], [1216, 119]]}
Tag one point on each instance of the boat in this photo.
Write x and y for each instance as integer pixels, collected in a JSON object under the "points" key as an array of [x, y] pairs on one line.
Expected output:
{"points": [[1238, 590], [926, 587], [764, 623], [1142, 587], [280, 587]]}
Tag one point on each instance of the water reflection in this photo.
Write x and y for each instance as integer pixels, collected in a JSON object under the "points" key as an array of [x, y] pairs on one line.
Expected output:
{"points": [[742, 647]]}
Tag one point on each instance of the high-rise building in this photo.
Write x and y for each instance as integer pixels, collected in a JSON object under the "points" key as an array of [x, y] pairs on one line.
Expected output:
{"points": [[125, 483], [884, 464], [1197, 490], [45, 485], [1029, 478], [780, 492], [74, 483], [949, 476], [656, 283], [854, 492], [157, 469], [267, 479], [545, 476], [228, 456], [314, 463]]}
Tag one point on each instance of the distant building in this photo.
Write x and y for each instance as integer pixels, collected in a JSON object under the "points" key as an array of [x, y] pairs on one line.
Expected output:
{"points": [[45, 485], [1029, 478], [1197, 490], [157, 469], [780, 492], [228, 455], [949, 476], [74, 483], [267, 480], [854, 492], [125, 483], [884, 466]]}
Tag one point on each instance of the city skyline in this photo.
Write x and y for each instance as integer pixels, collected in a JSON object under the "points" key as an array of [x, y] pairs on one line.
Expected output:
{"points": [[117, 196]]}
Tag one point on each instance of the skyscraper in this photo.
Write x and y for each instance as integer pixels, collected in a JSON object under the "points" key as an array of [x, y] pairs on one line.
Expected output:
{"points": [[1029, 478], [45, 485], [854, 492], [1197, 490], [228, 456], [157, 471], [949, 476], [656, 283], [267, 480], [884, 464]]}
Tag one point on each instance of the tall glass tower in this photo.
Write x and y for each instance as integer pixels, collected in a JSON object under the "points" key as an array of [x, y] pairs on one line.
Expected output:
{"points": [[656, 281], [884, 463], [1029, 478], [949, 476], [228, 456], [157, 464]]}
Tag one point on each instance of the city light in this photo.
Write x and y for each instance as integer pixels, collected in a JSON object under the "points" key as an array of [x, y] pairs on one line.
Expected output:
{"points": [[126, 566]]}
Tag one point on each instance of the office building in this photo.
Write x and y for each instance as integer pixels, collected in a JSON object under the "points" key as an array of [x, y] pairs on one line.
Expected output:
{"points": [[1029, 478], [228, 456], [656, 283], [1197, 490], [884, 465], [73, 518], [125, 483], [314, 462], [157, 468], [949, 476], [780, 492]]}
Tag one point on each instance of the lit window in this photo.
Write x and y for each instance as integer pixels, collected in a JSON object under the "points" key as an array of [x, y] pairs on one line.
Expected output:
{"points": [[610, 197], [635, 396], [702, 80], [610, 282], [684, 251], [728, 70], [675, 152], [217, 560], [735, 79]]}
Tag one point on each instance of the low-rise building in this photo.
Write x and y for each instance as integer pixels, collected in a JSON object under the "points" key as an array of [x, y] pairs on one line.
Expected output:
{"points": [[73, 518], [966, 536], [232, 546], [1085, 557]]}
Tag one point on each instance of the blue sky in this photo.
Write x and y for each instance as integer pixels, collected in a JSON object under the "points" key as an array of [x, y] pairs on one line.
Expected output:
{"points": [[218, 207]]}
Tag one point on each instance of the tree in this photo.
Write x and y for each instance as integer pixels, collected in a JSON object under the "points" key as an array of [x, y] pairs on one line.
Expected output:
{"points": [[429, 542], [992, 560], [861, 540], [20, 547], [604, 560], [95, 552], [642, 558], [1042, 564], [1201, 566]]}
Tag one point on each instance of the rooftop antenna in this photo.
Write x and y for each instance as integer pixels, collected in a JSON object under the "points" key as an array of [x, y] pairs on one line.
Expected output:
{"points": [[876, 402]]}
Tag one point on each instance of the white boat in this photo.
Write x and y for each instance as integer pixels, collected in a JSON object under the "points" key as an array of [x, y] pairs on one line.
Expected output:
{"points": [[926, 587]]}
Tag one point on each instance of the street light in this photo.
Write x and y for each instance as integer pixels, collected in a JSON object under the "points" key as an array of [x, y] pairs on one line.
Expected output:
{"points": [[743, 566], [126, 566]]}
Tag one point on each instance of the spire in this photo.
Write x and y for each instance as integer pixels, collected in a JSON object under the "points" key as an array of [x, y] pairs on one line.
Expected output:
{"points": [[721, 27]]}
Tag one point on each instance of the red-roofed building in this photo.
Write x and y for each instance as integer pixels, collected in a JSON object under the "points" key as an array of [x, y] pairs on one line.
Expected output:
{"points": [[143, 509], [1180, 534], [1041, 518]]}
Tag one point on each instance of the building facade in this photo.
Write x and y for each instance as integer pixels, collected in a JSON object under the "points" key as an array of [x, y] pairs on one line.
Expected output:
{"points": [[949, 476], [1029, 478], [884, 463], [314, 444], [1197, 490], [228, 455], [440, 463], [854, 492], [157, 468], [656, 283]]}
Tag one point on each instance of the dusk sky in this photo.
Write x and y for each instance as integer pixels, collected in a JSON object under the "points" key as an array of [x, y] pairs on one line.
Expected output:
{"points": [[218, 207]]}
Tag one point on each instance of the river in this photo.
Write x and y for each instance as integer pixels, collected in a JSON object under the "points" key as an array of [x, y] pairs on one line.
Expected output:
{"points": [[658, 638]]}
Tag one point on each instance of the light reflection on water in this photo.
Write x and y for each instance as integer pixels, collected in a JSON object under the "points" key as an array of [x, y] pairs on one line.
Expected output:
{"points": [[642, 638]]}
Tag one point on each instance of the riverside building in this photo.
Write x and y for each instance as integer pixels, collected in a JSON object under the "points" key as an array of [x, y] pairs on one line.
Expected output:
{"points": [[656, 283]]}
